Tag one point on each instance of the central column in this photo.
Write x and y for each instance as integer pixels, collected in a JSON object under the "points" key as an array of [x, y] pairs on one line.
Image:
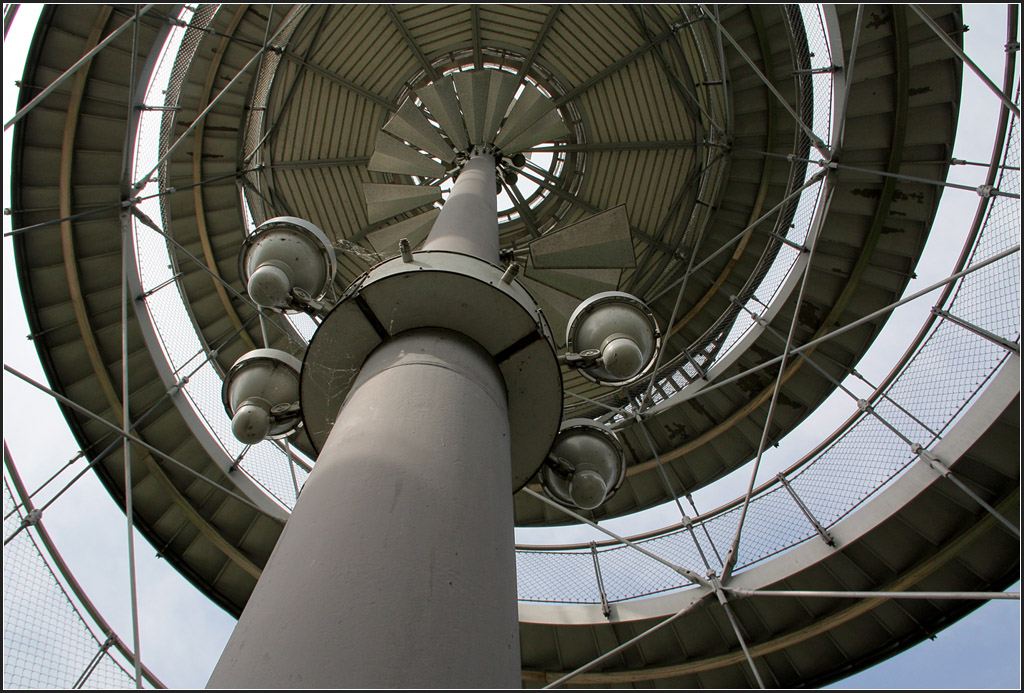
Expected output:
{"points": [[397, 566], [468, 222]]}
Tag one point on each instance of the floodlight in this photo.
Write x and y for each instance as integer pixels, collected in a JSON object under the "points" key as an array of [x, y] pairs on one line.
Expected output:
{"points": [[586, 465], [285, 262], [261, 395], [622, 328]]}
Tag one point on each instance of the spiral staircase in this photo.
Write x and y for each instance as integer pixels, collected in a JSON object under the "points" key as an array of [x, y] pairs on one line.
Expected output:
{"points": [[721, 150]]}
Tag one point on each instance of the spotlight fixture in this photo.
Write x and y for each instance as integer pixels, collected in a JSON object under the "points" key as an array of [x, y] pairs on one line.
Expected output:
{"points": [[586, 465], [622, 329], [261, 395], [287, 265]]}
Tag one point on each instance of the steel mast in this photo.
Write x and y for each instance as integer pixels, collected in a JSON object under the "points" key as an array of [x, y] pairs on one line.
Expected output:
{"points": [[397, 566]]}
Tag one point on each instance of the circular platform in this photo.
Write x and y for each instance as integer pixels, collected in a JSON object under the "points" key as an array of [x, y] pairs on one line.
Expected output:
{"points": [[698, 123]]}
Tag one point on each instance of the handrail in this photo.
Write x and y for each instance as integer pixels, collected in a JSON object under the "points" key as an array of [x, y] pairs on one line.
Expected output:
{"points": [[975, 240], [68, 576], [998, 149]]}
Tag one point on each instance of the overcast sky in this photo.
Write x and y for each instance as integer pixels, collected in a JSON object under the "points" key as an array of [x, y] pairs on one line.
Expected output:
{"points": [[183, 633]]}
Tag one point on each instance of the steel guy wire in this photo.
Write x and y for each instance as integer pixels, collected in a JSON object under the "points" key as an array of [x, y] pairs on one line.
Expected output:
{"points": [[685, 572], [138, 441], [675, 497], [731, 555], [839, 330], [632, 641], [126, 203], [815, 140], [813, 180]]}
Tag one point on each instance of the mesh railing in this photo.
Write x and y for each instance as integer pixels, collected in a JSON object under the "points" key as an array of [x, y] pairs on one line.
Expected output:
{"points": [[933, 388], [270, 468], [181, 343], [50, 641], [819, 67], [814, 80]]}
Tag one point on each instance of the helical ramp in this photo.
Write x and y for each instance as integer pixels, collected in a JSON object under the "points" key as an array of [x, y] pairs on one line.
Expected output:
{"points": [[763, 178]]}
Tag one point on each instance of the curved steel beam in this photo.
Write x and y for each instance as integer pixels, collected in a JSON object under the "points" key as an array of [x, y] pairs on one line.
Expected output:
{"points": [[820, 626], [66, 228], [84, 60], [197, 175], [85, 328]]}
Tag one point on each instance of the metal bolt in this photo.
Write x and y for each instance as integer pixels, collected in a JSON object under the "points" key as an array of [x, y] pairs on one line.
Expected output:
{"points": [[510, 272]]}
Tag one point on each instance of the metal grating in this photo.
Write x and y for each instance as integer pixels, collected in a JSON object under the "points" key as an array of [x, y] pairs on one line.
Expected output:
{"points": [[49, 640], [936, 385]]}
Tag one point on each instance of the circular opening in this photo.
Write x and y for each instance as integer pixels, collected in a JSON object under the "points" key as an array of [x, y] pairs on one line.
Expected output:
{"points": [[525, 192], [548, 165]]}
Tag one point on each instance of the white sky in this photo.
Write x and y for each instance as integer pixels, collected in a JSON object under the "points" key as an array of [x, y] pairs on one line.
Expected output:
{"points": [[183, 633]]}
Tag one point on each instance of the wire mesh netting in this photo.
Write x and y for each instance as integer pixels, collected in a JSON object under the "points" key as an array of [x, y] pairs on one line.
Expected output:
{"points": [[49, 640], [861, 461], [565, 577], [269, 466], [819, 57], [950, 368], [158, 257], [977, 299], [631, 574]]}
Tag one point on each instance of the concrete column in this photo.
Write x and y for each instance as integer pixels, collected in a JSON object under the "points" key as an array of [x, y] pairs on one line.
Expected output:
{"points": [[468, 222], [397, 568]]}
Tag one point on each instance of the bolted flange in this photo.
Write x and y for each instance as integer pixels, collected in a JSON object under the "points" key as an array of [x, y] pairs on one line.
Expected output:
{"points": [[452, 291]]}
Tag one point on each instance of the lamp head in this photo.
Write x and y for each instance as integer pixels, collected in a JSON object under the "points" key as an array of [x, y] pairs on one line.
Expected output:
{"points": [[623, 329], [284, 254], [586, 465], [261, 394]]}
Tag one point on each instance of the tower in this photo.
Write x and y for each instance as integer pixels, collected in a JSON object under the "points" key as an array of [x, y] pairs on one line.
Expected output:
{"points": [[653, 169]]}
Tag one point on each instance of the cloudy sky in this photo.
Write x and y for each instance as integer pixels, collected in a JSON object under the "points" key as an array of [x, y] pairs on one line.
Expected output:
{"points": [[183, 633]]}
